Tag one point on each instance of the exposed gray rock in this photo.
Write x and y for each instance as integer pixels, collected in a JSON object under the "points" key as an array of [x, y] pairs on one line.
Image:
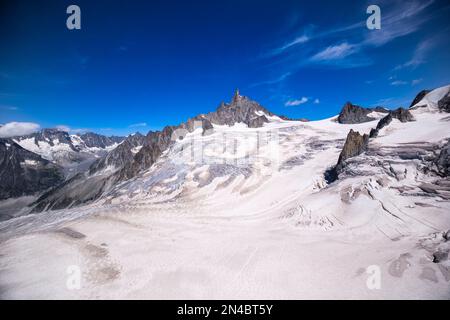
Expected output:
{"points": [[354, 145], [121, 155], [241, 109], [23, 172], [94, 140], [403, 115], [419, 97], [440, 256], [351, 114], [283, 117], [443, 160], [444, 103]]}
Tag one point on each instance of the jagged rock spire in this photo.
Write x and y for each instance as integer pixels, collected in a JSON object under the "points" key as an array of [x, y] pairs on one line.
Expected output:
{"points": [[236, 96]]}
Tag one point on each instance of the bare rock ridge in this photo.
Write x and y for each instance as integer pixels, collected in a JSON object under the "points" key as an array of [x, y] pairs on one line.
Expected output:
{"points": [[94, 140], [351, 114], [122, 154], [403, 115], [23, 172], [443, 160], [354, 145], [444, 103]]}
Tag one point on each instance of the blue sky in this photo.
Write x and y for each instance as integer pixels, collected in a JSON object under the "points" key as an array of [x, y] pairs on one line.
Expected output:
{"points": [[141, 65]]}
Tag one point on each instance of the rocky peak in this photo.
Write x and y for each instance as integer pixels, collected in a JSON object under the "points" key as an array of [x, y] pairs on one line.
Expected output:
{"points": [[94, 140], [351, 113], [23, 172], [240, 109], [354, 145]]}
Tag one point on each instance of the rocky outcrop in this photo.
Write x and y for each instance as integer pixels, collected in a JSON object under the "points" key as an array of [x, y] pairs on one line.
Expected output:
{"points": [[351, 114], [23, 172], [419, 97], [354, 145], [443, 160], [241, 109], [94, 140], [121, 155], [444, 103], [283, 117], [403, 115]]}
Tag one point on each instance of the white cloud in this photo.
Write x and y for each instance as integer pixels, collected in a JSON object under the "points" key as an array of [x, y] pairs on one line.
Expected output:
{"points": [[419, 56], [335, 52], [140, 124], [316, 101], [398, 83], [12, 129], [273, 81], [298, 40], [296, 102], [8, 107], [416, 81]]}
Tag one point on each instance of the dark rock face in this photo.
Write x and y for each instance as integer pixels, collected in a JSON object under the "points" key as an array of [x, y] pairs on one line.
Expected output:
{"points": [[94, 140], [444, 103], [419, 97], [403, 115], [121, 155], [23, 172], [443, 160], [283, 117], [354, 145], [351, 114]]}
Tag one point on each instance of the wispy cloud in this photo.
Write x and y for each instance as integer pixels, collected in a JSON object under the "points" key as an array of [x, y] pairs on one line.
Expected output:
{"points": [[419, 56], [12, 129], [8, 107], [416, 81], [316, 101], [299, 40], [296, 102], [401, 19], [273, 81], [398, 83], [336, 52], [140, 124]]}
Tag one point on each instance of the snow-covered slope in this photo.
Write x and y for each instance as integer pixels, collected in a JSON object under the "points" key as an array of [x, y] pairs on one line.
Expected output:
{"points": [[246, 213]]}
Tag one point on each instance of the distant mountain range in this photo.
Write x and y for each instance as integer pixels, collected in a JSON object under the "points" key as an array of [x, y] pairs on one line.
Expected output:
{"points": [[68, 170]]}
